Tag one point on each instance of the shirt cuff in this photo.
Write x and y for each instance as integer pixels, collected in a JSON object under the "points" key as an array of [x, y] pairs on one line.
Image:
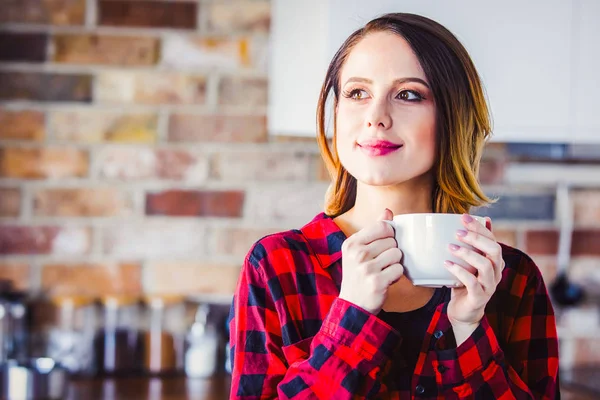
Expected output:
{"points": [[455, 365], [361, 331]]}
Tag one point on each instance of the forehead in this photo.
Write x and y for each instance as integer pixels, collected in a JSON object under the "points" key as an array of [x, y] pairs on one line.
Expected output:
{"points": [[382, 56]]}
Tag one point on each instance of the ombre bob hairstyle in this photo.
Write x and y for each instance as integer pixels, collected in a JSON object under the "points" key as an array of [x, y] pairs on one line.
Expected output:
{"points": [[462, 118]]}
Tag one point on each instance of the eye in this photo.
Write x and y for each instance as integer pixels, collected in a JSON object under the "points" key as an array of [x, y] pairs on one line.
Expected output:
{"points": [[356, 94], [409, 95]]}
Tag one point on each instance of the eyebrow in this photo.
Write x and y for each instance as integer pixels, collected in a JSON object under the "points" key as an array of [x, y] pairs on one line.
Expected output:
{"points": [[396, 82]]}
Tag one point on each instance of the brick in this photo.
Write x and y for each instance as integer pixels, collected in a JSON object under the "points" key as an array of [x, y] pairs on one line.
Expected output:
{"points": [[585, 243], [155, 239], [196, 203], [270, 165], [495, 150], [240, 16], [16, 272], [10, 202], [27, 47], [322, 174], [106, 50], [45, 86], [506, 236], [585, 271], [543, 242], [135, 163], [534, 207], [232, 241], [291, 204], [91, 279], [547, 266], [56, 12], [570, 393], [151, 14], [82, 202], [218, 128], [247, 92], [53, 240], [586, 205], [150, 88], [491, 171], [43, 163], [587, 352], [103, 126], [190, 278], [221, 52], [22, 125]]}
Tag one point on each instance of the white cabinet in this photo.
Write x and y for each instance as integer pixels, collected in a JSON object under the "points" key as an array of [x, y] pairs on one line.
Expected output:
{"points": [[538, 60], [586, 99]]}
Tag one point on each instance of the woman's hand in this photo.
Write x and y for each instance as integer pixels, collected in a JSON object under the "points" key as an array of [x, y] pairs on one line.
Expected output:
{"points": [[467, 306], [370, 264]]}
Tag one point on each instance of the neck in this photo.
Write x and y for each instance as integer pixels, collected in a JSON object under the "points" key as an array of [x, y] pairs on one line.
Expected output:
{"points": [[414, 196]]}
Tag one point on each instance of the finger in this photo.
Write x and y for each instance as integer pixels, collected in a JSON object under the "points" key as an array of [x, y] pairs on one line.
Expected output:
{"points": [[392, 274], [475, 226], [499, 269], [386, 215], [387, 258], [485, 269], [489, 247], [465, 277], [379, 230], [377, 247]]}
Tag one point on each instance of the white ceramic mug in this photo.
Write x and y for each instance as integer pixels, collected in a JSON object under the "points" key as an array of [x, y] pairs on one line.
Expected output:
{"points": [[424, 239]]}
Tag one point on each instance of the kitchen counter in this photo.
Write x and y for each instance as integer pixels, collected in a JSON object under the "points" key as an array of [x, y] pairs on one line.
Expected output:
{"points": [[181, 388], [169, 388]]}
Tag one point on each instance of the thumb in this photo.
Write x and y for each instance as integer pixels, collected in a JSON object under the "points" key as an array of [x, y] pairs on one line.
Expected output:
{"points": [[386, 215]]}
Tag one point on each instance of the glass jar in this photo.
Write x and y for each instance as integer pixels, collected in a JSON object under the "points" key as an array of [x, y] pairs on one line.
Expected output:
{"points": [[117, 343], [71, 333], [203, 346], [163, 334]]}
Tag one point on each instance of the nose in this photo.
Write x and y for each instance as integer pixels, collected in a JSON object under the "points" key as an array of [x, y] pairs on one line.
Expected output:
{"points": [[379, 115]]}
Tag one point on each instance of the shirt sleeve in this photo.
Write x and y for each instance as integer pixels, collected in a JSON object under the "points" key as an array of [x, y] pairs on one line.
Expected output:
{"points": [[342, 361], [526, 367]]}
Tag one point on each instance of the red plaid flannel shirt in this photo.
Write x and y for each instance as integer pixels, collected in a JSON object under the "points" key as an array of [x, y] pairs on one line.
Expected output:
{"points": [[293, 338]]}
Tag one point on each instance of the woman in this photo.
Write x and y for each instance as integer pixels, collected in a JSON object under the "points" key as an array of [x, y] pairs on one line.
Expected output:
{"points": [[325, 311]]}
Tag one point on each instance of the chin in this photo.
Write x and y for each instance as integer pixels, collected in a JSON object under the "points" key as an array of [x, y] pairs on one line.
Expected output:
{"points": [[384, 178], [380, 179]]}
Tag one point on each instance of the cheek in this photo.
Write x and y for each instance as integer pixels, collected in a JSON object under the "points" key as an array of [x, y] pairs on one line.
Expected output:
{"points": [[348, 120], [424, 130]]}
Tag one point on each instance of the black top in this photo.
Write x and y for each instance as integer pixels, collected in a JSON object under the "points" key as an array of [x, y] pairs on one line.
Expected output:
{"points": [[412, 326]]}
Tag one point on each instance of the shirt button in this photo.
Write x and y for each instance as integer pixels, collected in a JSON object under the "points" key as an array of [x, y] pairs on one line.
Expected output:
{"points": [[442, 368], [438, 334], [419, 389]]}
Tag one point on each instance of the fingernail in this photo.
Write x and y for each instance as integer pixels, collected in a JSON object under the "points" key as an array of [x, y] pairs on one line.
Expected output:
{"points": [[467, 218], [461, 233], [453, 247], [448, 263]]}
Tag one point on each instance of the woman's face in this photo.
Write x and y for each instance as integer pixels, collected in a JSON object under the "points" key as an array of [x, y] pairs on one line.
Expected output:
{"points": [[386, 113]]}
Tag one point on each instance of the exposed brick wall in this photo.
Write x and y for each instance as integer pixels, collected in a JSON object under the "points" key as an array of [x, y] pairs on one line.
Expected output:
{"points": [[134, 153]]}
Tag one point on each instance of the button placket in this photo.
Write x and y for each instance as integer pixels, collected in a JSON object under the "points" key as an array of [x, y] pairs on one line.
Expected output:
{"points": [[419, 389]]}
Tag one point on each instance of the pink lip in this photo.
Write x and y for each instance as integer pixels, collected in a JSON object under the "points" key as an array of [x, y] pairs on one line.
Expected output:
{"points": [[378, 147]]}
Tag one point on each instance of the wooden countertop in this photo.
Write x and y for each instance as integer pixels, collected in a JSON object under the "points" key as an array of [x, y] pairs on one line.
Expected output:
{"points": [[168, 388], [182, 388]]}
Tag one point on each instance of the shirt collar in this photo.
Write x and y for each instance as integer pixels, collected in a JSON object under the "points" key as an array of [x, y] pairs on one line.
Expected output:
{"points": [[325, 237]]}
